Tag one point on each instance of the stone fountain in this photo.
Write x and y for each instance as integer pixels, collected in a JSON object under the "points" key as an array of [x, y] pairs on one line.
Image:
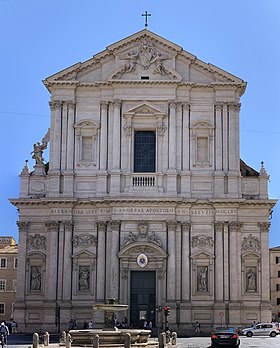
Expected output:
{"points": [[110, 335]]}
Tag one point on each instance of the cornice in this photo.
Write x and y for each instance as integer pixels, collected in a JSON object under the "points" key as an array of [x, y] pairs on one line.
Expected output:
{"points": [[233, 203], [142, 35], [99, 84]]}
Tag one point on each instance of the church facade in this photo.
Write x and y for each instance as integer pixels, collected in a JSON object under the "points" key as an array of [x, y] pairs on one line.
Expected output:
{"points": [[145, 198]]}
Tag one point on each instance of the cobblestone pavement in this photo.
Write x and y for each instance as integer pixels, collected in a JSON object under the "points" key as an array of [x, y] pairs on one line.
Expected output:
{"points": [[246, 342], [22, 341]]}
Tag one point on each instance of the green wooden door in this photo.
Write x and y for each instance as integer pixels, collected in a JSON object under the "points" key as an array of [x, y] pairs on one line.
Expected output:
{"points": [[142, 297]]}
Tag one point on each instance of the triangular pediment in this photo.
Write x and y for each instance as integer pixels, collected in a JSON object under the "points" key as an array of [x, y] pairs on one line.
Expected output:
{"points": [[143, 57], [202, 255], [145, 108], [84, 254]]}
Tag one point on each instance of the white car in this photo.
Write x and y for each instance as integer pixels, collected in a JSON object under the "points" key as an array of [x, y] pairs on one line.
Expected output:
{"points": [[262, 329]]}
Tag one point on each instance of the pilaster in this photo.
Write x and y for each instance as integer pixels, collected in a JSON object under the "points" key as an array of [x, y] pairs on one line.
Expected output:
{"points": [[219, 262], [172, 136], [264, 275], [114, 279], [70, 135], [67, 261], [52, 261], [178, 253], [225, 136], [103, 136], [234, 256], [186, 227], [21, 271], [101, 264], [171, 261]]}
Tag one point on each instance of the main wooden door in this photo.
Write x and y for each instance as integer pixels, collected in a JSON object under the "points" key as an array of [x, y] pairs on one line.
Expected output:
{"points": [[142, 297]]}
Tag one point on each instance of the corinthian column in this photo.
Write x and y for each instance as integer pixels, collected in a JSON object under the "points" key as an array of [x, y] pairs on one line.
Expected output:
{"points": [[171, 261], [114, 279], [67, 261], [186, 227], [234, 257], [101, 265], [21, 273], [52, 262], [219, 271], [263, 273]]}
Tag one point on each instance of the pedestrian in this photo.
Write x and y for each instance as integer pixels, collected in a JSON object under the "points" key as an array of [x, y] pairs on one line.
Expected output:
{"points": [[197, 327], [14, 327], [85, 325], [90, 324], [145, 324], [150, 325], [4, 331]]}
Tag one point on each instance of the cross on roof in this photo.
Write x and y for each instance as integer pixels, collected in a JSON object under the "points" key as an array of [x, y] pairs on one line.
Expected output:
{"points": [[146, 14]]}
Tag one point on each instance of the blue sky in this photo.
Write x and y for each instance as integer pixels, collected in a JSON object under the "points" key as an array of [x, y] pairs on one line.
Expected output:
{"points": [[40, 38]]}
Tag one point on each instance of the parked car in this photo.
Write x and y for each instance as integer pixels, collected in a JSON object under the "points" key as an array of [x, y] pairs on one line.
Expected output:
{"points": [[227, 336], [262, 329]]}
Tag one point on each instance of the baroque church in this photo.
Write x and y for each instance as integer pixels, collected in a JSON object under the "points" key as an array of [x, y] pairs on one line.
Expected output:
{"points": [[144, 199]]}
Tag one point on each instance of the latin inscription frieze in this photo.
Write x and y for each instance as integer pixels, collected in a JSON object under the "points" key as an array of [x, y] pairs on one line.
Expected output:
{"points": [[142, 210]]}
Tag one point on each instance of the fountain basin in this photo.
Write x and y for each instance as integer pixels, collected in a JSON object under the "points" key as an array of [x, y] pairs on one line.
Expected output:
{"points": [[107, 337]]}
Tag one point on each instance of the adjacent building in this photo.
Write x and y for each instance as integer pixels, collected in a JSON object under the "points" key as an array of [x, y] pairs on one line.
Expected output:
{"points": [[275, 282], [8, 277], [145, 198]]}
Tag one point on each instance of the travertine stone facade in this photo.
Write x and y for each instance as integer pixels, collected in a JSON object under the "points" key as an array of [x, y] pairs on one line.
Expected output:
{"points": [[92, 222]]}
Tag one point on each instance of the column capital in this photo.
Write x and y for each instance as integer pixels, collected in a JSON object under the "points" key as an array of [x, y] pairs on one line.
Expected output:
{"points": [[101, 225], [186, 226], [117, 103], [22, 226], [234, 106], [55, 104], [264, 226], [104, 105], [68, 225], [172, 104], [115, 225], [52, 225], [171, 225], [186, 106], [219, 226], [71, 104], [218, 105], [234, 226]]}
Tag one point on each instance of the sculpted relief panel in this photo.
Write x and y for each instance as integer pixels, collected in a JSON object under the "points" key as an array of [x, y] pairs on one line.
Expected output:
{"points": [[144, 57]]}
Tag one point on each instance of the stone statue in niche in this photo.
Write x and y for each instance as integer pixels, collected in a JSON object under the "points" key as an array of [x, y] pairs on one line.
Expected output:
{"points": [[251, 284], [84, 278], [36, 279], [202, 281]]}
